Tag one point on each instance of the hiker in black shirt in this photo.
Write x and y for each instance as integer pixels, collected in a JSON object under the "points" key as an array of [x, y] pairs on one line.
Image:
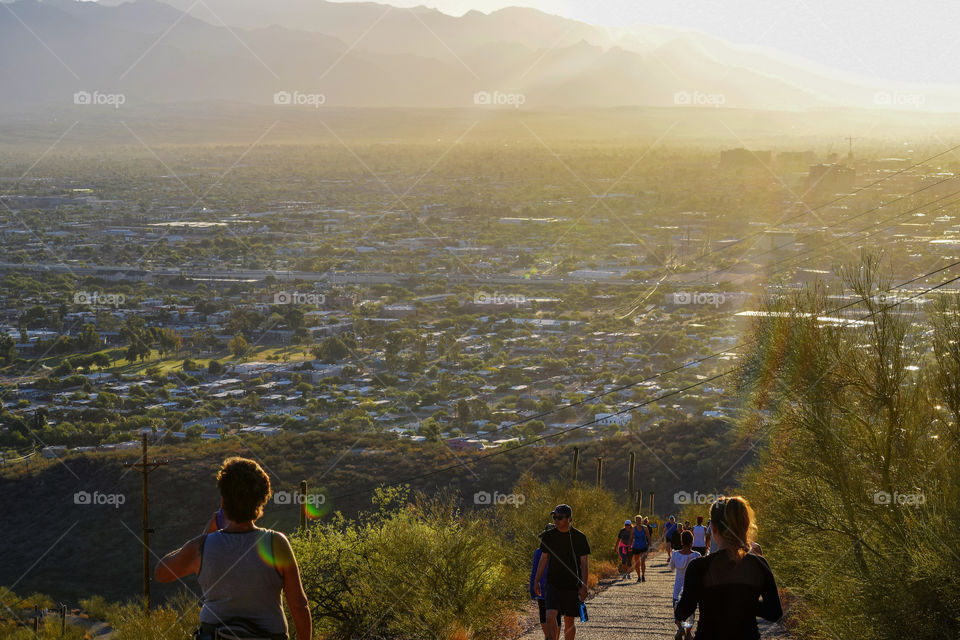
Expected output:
{"points": [[564, 557], [676, 540], [732, 587]]}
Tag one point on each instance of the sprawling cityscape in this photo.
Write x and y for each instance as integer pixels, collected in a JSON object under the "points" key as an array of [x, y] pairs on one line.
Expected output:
{"points": [[128, 310]]}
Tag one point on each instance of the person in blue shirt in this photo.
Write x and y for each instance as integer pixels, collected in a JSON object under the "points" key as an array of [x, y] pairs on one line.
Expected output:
{"points": [[668, 530], [541, 601], [642, 537]]}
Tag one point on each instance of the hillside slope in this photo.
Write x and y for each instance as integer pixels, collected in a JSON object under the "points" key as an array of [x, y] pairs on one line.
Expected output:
{"points": [[74, 550]]}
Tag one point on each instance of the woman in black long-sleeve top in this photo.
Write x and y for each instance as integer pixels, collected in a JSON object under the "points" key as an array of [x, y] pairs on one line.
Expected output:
{"points": [[732, 587]]}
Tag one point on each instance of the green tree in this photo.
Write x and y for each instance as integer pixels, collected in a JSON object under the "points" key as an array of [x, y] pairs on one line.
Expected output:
{"points": [[237, 346], [330, 350], [8, 349], [138, 339]]}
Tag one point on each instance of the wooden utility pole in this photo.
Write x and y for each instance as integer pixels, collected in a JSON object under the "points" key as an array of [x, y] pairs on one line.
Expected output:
{"points": [[145, 467], [599, 472], [576, 462], [633, 464], [303, 504]]}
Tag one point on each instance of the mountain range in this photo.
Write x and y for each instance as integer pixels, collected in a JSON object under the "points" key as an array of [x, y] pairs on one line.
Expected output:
{"points": [[314, 54]]}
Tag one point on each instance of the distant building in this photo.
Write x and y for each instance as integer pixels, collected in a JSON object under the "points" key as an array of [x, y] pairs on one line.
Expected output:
{"points": [[831, 178], [744, 159], [794, 160], [528, 220], [399, 310], [778, 241], [465, 444], [621, 419]]}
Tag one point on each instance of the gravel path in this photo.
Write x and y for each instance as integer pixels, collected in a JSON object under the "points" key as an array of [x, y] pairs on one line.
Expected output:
{"points": [[628, 610]]}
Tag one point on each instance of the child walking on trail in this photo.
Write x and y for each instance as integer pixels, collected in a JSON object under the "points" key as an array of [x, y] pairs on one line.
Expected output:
{"points": [[625, 548], [678, 562]]}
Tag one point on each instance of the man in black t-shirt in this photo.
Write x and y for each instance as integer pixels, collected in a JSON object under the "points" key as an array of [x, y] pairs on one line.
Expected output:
{"points": [[564, 557]]}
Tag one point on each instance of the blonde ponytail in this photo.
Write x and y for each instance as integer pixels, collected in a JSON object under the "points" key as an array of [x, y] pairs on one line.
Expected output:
{"points": [[736, 524]]}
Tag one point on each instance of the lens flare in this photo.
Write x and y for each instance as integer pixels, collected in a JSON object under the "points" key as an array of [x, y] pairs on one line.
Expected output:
{"points": [[265, 549], [316, 511]]}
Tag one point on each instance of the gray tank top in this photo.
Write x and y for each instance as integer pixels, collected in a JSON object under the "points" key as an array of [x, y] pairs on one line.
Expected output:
{"points": [[240, 580]]}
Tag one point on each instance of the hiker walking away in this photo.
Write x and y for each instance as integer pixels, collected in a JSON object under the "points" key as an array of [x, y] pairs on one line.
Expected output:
{"points": [[625, 548], [565, 562], [651, 528], [676, 542], [731, 588], [678, 562], [242, 569], [641, 546], [541, 603], [714, 545], [668, 530], [701, 537]]}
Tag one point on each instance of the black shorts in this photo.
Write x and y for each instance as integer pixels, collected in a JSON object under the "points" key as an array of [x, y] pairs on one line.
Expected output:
{"points": [[542, 605], [565, 601], [702, 550], [624, 553], [637, 552]]}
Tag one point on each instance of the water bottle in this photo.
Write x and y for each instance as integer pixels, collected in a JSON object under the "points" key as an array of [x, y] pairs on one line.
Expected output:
{"points": [[583, 612]]}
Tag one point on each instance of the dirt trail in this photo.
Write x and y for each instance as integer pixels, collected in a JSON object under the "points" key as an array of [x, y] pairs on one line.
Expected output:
{"points": [[628, 610]]}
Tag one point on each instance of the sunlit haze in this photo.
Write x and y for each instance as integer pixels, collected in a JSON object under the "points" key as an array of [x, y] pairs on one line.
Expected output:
{"points": [[901, 41]]}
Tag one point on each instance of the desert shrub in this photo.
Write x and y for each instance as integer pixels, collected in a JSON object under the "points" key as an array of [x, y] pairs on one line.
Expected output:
{"points": [[857, 492], [416, 570]]}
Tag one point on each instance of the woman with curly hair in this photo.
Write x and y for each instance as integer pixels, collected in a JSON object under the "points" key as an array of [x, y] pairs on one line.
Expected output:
{"points": [[242, 569]]}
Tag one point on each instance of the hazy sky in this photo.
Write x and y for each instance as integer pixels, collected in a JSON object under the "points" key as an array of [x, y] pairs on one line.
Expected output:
{"points": [[902, 40]]}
